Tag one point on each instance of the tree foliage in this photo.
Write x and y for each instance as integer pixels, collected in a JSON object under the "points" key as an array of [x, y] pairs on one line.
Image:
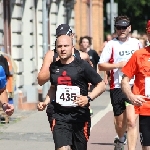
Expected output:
{"points": [[137, 10]]}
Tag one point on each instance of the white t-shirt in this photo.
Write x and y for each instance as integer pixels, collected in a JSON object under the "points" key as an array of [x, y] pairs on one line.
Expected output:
{"points": [[116, 51]]}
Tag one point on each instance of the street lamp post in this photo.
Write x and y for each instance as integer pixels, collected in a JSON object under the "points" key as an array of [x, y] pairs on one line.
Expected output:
{"points": [[112, 15], [45, 40]]}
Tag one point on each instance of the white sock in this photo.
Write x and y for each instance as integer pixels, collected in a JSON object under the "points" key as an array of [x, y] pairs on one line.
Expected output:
{"points": [[121, 139]]}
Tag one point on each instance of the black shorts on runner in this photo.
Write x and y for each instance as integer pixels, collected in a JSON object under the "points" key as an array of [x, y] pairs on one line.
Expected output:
{"points": [[74, 135], [118, 99], [144, 129], [50, 111]]}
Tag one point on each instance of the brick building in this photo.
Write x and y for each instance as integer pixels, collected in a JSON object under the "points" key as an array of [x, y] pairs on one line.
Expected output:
{"points": [[89, 21], [21, 36]]}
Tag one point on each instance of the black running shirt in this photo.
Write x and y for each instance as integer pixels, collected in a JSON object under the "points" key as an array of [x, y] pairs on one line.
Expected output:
{"points": [[77, 73]]}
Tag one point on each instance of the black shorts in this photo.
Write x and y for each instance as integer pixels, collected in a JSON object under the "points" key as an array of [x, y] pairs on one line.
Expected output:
{"points": [[50, 111], [118, 99], [144, 129], [74, 135]]}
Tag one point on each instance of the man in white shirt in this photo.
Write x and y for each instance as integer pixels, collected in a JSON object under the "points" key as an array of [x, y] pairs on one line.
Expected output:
{"points": [[114, 56]]}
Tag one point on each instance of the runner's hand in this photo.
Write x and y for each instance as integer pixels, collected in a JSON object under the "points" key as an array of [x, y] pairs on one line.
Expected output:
{"points": [[81, 100], [137, 100], [121, 64], [8, 109], [106, 80], [41, 106]]}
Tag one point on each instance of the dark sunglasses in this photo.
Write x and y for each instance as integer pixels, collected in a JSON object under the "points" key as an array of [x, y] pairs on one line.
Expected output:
{"points": [[121, 27]]}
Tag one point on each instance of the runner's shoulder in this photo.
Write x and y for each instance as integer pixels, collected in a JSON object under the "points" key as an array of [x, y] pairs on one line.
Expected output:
{"points": [[141, 51], [49, 53], [56, 63], [135, 40], [83, 63], [84, 55], [112, 42]]}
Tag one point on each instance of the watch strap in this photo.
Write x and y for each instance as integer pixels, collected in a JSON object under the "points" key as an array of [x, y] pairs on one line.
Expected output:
{"points": [[89, 98]]}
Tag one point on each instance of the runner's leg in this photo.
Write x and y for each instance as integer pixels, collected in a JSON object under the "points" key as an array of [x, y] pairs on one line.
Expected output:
{"points": [[64, 148], [131, 127], [144, 128], [120, 125]]}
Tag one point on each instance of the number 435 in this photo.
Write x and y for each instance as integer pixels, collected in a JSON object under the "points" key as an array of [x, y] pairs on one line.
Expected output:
{"points": [[69, 96]]}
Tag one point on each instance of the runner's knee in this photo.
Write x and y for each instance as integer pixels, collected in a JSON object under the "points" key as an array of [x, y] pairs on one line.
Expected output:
{"points": [[131, 123], [64, 148], [120, 124]]}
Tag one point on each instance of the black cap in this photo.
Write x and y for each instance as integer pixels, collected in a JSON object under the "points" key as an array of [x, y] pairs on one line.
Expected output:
{"points": [[123, 23], [63, 29]]}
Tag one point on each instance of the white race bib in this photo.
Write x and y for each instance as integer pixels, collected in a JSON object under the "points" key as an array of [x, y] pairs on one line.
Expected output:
{"points": [[65, 95], [120, 78], [147, 87]]}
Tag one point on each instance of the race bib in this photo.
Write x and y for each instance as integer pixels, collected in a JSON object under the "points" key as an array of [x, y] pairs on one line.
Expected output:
{"points": [[147, 87], [120, 78], [65, 95]]}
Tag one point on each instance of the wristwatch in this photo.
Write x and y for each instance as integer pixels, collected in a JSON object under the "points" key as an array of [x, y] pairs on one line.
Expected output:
{"points": [[89, 98]]}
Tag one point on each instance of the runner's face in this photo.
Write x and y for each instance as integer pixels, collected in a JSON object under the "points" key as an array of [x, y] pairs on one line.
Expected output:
{"points": [[123, 32], [85, 43], [64, 47]]}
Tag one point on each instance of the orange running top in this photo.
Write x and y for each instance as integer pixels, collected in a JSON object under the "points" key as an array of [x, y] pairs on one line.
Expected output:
{"points": [[139, 65]]}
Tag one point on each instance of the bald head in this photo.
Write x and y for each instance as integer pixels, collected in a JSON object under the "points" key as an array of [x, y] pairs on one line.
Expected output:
{"points": [[64, 46], [64, 39]]}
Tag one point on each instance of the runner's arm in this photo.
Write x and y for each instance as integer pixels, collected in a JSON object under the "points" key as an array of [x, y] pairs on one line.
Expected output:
{"points": [[135, 99], [126, 88], [128, 72], [105, 57], [50, 95], [3, 97], [7, 108], [107, 66], [86, 57], [95, 79], [44, 74]]}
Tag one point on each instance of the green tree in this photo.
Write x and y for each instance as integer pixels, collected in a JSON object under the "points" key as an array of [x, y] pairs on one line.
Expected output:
{"points": [[137, 10]]}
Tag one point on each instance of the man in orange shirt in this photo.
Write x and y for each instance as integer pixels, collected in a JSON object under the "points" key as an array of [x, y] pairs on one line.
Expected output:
{"points": [[139, 66]]}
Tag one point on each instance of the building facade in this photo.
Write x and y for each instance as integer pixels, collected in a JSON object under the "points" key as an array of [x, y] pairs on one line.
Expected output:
{"points": [[21, 36], [89, 21]]}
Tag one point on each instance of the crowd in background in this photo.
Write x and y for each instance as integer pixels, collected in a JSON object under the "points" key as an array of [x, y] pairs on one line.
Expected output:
{"points": [[141, 37]]}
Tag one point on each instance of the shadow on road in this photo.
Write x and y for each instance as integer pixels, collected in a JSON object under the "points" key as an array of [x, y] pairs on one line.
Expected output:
{"points": [[103, 143]]}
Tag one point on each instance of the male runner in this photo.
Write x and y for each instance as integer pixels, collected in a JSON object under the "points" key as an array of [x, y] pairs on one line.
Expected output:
{"points": [[69, 88], [8, 108], [114, 56], [50, 56], [139, 66]]}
